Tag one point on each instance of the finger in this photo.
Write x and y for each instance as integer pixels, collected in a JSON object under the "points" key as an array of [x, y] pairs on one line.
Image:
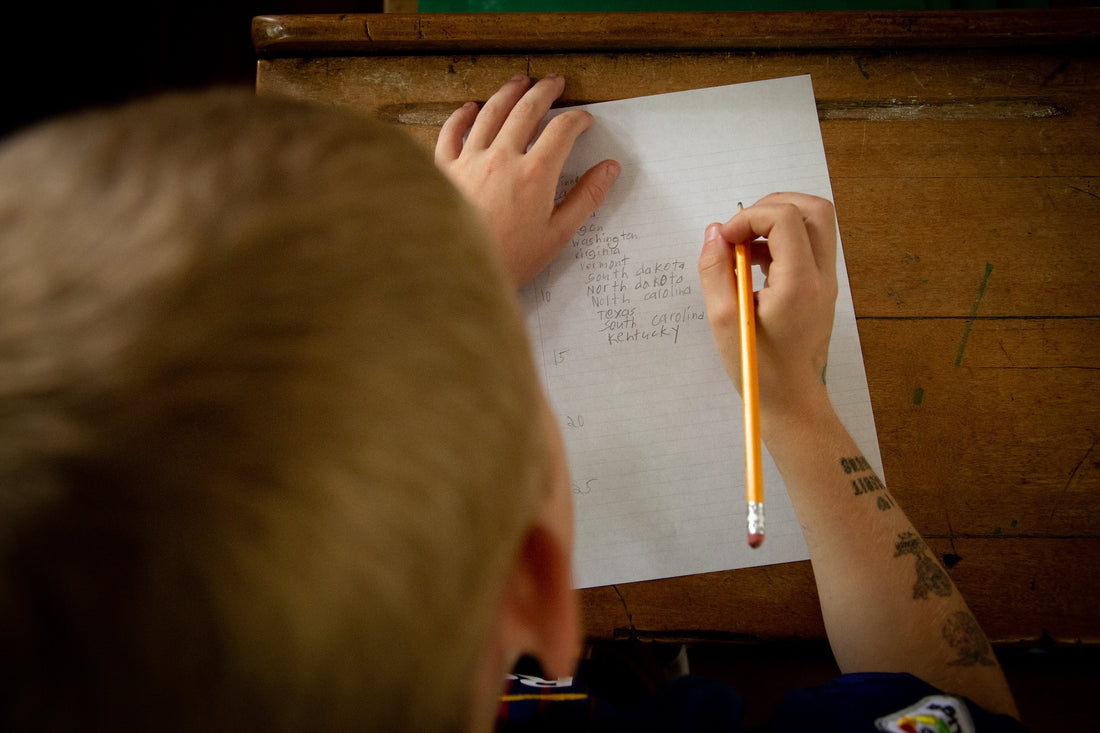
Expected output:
{"points": [[716, 275], [819, 218], [495, 111], [585, 197], [781, 223], [449, 145], [556, 142], [528, 112]]}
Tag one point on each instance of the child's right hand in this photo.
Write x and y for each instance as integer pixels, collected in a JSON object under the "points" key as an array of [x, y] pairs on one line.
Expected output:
{"points": [[794, 310]]}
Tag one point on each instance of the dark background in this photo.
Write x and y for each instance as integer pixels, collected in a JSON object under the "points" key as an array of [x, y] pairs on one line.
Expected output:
{"points": [[67, 56]]}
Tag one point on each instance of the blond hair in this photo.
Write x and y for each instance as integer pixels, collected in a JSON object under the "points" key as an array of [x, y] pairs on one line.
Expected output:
{"points": [[269, 431]]}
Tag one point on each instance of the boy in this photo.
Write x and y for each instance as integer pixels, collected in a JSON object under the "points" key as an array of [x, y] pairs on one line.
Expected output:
{"points": [[273, 454], [889, 607]]}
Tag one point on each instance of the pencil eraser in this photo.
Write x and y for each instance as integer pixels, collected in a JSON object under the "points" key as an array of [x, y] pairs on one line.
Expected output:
{"points": [[755, 540]]}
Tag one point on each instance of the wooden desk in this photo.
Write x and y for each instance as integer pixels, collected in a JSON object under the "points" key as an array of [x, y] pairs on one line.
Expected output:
{"points": [[964, 150]]}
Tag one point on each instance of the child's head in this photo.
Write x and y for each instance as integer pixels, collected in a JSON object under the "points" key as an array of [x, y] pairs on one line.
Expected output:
{"points": [[270, 434]]}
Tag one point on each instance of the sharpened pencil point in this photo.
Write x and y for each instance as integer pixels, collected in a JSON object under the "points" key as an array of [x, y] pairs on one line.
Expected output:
{"points": [[755, 540]]}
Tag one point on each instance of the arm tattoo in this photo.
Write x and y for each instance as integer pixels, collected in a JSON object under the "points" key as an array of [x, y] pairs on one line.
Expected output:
{"points": [[962, 633], [931, 578], [865, 481]]}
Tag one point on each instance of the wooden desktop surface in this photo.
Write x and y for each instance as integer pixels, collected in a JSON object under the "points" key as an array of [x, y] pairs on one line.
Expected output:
{"points": [[964, 151]]}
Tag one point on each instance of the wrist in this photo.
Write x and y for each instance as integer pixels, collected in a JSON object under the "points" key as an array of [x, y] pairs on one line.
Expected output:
{"points": [[796, 410], [800, 426]]}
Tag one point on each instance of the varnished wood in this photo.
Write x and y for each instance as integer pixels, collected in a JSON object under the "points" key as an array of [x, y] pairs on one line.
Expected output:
{"points": [[542, 32], [964, 153]]}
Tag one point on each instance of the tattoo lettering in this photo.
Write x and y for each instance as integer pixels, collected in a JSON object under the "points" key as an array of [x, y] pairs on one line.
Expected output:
{"points": [[885, 503], [867, 484], [858, 464], [962, 633], [931, 578], [865, 481]]}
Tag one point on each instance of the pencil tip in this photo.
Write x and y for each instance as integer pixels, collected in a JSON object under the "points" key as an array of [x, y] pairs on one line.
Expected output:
{"points": [[755, 540]]}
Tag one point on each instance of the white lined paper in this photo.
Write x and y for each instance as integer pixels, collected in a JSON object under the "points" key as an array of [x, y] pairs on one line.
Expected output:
{"points": [[652, 425]]}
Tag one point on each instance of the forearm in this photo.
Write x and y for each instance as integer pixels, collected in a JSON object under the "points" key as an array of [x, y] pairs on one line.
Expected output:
{"points": [[887, 603]]}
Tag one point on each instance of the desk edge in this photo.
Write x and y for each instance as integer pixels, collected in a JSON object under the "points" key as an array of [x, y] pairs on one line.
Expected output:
{"points": [[412, 33]]}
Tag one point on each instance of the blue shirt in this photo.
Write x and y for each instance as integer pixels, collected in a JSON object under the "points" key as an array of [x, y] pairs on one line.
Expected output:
{"points": [[851, 703]]}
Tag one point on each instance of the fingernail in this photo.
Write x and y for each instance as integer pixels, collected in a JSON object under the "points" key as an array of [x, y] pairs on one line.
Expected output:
{"points": [[613, 170], [714, 231], [519, 77]]}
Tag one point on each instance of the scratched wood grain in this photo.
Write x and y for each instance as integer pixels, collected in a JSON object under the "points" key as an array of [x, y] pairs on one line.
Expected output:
{"points": [[964, 168], [967, 120], [357, 34], [987, 428]]}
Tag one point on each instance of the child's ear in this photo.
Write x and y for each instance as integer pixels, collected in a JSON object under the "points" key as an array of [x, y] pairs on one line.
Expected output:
{"points": [[539, 614]]}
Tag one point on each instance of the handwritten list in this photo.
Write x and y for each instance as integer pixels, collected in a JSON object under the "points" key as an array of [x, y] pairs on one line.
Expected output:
{"points": [[652, 424]]}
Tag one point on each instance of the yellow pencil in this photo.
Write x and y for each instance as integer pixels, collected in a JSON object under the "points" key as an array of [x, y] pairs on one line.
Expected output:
{"points": [[750, 394]]}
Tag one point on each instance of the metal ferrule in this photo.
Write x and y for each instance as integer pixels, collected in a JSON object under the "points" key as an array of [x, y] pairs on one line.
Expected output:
{"points": [[756, 517]]}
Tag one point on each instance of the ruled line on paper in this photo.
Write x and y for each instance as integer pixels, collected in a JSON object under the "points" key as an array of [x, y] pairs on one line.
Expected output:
{"points": [[651, 423]]}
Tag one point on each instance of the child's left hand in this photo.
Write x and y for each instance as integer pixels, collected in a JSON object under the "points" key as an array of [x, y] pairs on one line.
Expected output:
{"points": [[511, 181]]}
